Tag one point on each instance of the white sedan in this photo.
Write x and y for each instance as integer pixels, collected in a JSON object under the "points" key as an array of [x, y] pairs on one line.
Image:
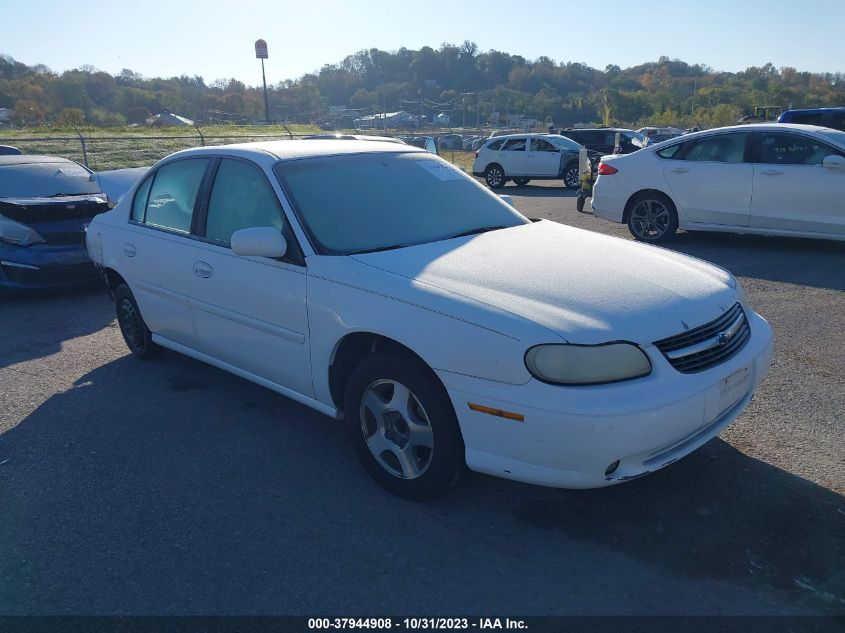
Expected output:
{"points": [[382, 286], [768, 179]]}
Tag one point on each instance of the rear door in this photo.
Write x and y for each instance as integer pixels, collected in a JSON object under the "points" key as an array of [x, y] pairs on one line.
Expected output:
{"points": [[155, 253], [250, 312], [543, 158], [711, 180], [792, 191], [512, 157]]}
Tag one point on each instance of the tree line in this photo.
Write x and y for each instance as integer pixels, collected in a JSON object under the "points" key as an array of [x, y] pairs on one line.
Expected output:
{"points": [[470, 85]]}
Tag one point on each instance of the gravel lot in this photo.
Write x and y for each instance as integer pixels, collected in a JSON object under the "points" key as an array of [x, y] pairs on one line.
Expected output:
{"points": [[172, 487]]}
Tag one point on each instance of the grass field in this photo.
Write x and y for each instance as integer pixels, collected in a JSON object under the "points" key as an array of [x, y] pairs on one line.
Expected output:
{"points": [[139, 147]]}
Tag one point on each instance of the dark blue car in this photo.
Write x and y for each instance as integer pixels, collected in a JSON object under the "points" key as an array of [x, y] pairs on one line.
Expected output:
{"points": [[45, 205], [825, 117]]}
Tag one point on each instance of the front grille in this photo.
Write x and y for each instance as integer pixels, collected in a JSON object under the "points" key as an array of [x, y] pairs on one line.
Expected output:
{"points": [[708, 345]]}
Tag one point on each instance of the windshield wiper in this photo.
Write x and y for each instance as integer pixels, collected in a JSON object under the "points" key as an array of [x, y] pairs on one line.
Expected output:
{"points": [[481, 229], [378, 249]]}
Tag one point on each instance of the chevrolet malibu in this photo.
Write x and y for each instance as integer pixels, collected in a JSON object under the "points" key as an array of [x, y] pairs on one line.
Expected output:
{"points": [[380, 285]]}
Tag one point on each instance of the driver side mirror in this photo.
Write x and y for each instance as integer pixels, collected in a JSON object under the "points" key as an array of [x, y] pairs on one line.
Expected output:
{"points": [[834, 162], [260, 241]]}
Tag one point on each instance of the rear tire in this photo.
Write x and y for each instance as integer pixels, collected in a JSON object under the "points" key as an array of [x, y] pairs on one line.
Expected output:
{"points": [[494, 176], [652, 218], [403, 427], [135, 332]]}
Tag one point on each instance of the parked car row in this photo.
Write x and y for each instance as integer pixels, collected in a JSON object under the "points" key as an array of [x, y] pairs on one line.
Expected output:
{"points": [[381, 285], [771, 179]]}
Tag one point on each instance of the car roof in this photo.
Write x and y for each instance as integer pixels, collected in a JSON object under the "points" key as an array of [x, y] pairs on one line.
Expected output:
{"points": [[268, 152], [29, 159], [524, 135], [814, 110]]}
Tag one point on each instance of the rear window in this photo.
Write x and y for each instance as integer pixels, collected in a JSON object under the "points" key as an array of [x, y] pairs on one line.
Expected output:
{"points": [[46, 180]]}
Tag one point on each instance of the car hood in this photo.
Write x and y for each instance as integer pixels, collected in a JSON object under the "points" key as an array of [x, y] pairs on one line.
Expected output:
{"points": [[584, 286]]}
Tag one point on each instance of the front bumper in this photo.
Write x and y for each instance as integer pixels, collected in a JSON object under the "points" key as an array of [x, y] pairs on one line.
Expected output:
{"points": [[45, 266], [571, 436]]}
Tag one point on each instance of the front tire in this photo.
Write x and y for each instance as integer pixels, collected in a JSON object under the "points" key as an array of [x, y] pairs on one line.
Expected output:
{"points": [[494, 176], [403, 427], [135, 332], [521, 182], [653, 218], [571, 176]]}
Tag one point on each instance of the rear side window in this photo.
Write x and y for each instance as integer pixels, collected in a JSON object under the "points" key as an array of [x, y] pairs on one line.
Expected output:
{"points": [[837, 121], [671, 151], [514, 145], [495, 145], [241, 198], [139, 204], [723, 148], [806, 118], [173, 193]]}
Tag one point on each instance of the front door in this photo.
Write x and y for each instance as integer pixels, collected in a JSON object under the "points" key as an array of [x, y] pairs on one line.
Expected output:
{"points": [[250, 312], [792, 190]]}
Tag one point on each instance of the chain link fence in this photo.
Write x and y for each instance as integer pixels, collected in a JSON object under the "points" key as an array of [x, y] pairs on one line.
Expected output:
{"points": [[134, 149]]}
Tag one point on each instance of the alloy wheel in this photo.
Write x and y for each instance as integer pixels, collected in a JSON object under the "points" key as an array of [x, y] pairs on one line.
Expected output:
{"points": [[572, 177], [495, 177], [650, 219], [396, 429]]}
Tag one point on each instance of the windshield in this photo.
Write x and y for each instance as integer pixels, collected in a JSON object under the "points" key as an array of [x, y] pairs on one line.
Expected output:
{"points": [[564, 142], [44, 180], [375, 201], [835, 135]]}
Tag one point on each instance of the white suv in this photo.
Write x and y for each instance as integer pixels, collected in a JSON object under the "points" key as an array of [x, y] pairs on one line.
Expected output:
{"points": [[525, 157]]}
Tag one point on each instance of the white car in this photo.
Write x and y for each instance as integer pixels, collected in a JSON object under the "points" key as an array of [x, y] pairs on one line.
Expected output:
{"points": [[526, 157], [380, 285], [769, 179]]}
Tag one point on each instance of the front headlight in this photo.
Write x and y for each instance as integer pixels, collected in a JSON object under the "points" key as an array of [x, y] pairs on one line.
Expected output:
{"points": [[18, 234], [587, 364]]}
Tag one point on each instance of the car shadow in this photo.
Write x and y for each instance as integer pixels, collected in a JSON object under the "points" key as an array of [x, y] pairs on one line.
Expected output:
{"points": [[35, 324], [538, 191], [214, 495], [808, 262]]}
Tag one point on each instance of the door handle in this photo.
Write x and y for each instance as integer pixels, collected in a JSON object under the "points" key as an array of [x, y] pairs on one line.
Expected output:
{"points": [[129, 250], [201, 269], [771, 172], [679, 170]]}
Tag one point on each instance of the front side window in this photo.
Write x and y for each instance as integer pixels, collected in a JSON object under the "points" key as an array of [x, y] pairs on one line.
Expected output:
{"points": [[377, 201], [778, 148], [723, 148], [173, 194], [541, 145], [241, 197], [514, 145]]}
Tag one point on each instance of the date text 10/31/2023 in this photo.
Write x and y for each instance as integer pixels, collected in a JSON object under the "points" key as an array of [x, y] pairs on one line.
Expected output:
{"points": [[421, 623]]}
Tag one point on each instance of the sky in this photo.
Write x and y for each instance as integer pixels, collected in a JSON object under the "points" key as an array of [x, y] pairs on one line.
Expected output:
{"points": [[214, 39]]}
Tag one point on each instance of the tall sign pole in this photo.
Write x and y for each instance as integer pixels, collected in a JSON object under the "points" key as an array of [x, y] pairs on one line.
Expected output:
{"points": [[261, 53]]}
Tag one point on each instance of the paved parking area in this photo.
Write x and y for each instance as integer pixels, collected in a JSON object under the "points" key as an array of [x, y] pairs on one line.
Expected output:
{"points": [[172, 487]]}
